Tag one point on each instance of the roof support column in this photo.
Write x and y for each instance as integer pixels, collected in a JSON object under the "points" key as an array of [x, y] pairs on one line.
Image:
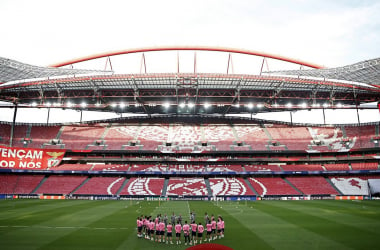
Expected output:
{"points": [[13, 126]]}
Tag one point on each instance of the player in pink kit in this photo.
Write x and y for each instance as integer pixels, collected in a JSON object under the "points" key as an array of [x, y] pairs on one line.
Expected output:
{"points": [[219, 225], [161, 226], [169, 229], [213, 229], [209, 230], [178, 229], [158, 233], [222, 226], [186, 233], [200, 232], [139, 223], [151, 228], [194, 232]]}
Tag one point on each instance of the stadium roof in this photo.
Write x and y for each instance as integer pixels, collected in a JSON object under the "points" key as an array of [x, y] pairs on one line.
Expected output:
{"points": [[11, 70], [189, 93], [362, 72]]}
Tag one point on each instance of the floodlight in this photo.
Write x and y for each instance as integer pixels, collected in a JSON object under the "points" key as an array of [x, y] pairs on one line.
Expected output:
{"points": [[48, 104], [289, 105], [325, 105], [260, 105], [113, 105], [303, 105], [339, 105], [250, 105], [206, 105], [69, 104], [190, 105], [34, 104], [83, 104], [122, 105], [166, 105], [182, 105]]}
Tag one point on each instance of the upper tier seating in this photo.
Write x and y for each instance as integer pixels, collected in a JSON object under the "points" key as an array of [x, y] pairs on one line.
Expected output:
{"points": [[42, 135], [18, 136], [143, 186], [101, 186], [294, 138], [192, 137], [5, 132], [187, 187], [220, 135], [330, 138], [118, 136], [151, 136], [362, 136], [272, 186], [229, 186], [80, 136], [60, 184], [252, 135], [312, 185]]}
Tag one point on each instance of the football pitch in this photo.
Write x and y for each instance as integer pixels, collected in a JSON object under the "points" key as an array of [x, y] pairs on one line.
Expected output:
{"points": [[84, 224]]}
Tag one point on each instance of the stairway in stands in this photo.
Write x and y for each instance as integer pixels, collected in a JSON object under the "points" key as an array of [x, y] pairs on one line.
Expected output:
{"points": [[250, 186], [290, 184], [84, 182], [165, 187], [122, 186], [209, 190], [39, 185], [332, 184]]}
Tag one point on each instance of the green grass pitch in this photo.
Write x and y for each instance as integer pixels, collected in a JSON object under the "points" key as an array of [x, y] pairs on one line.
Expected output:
{"points": [[82, 224]]}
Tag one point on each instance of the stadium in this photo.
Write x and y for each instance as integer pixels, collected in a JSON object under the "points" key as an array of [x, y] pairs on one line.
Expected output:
{"points": [[189, 141]]}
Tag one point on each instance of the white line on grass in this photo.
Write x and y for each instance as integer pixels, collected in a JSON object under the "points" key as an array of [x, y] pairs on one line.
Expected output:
{"points": [[50, 227]]}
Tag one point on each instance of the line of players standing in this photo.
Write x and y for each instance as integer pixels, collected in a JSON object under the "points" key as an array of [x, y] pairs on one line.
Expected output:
{"points": [[154, 229]]}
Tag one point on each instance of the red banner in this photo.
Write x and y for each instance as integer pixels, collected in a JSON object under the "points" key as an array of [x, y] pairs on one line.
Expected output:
{"points": [[30, 158]]}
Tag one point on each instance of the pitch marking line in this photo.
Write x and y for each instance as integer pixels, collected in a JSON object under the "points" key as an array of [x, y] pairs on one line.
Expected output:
{"points": [[50, 227]]}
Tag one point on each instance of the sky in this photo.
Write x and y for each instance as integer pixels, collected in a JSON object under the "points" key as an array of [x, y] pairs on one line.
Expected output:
{"points": [[329, 33]]}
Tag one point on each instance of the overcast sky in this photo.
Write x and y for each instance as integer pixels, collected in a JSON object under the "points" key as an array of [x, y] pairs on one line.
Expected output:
{"points": [[329, 33]]}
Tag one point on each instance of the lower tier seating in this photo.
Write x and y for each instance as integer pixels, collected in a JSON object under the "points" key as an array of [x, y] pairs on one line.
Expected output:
{"points": [[143, 186], [312, 185], [229, 186], [272, 186], [60, 184], [187, 187], [101, 186]]}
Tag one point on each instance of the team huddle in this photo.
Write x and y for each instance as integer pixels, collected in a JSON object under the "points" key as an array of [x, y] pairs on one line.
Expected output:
{"points": [[154, 229]]}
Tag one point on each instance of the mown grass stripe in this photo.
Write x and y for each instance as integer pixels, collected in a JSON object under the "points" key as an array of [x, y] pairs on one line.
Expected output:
{"points": [[237, 234], [361, 217], [349, 236], [67, 220], [277, 232]]}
